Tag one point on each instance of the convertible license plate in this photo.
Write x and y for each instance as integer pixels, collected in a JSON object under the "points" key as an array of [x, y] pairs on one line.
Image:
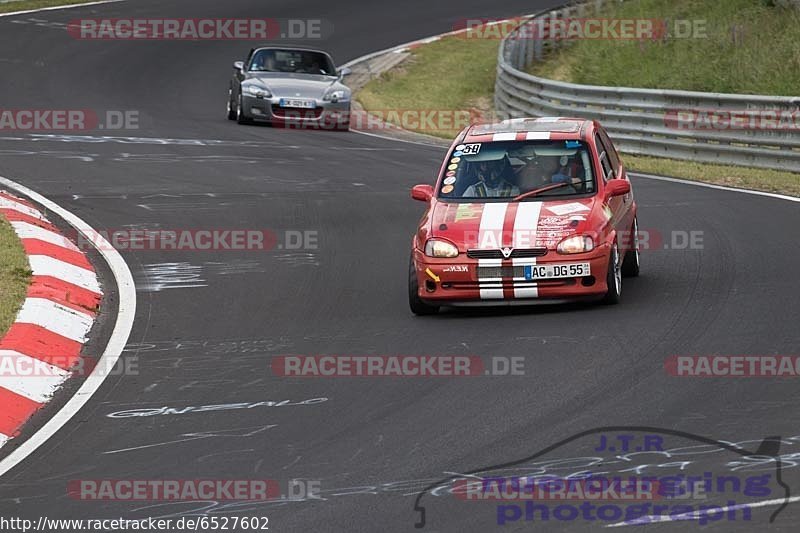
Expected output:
{"points": [[571, 270], [301, 104]]}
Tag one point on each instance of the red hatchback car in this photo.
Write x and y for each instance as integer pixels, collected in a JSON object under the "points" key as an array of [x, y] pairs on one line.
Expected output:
{"points": [[525, 210]]}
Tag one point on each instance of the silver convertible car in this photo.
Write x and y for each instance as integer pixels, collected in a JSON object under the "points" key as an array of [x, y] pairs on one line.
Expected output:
{"points": [[295, 88]]}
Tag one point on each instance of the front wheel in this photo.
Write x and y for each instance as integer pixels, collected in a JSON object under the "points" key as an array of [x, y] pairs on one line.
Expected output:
{"points": [[614, 277], [241, 118], [630, 265], [231, 107], [418, 307]]}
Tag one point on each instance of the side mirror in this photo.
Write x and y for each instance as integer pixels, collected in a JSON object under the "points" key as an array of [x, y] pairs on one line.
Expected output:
{"points": [[344, 71], [423, 193], [238, 65], [617, 188]]}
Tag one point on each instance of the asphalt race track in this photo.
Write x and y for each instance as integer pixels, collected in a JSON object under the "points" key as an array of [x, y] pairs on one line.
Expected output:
{"points": [[208, 323]]}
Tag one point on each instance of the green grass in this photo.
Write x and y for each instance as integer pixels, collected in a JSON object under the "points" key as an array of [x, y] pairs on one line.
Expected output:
{"points": [[456, 73], [731, 176], [14, 275], [751, 47], [452, 74], [24, 5]]}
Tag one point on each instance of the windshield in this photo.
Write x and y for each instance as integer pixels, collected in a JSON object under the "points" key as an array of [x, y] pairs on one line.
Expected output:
{"points": [[506, 169], [297, 61]]}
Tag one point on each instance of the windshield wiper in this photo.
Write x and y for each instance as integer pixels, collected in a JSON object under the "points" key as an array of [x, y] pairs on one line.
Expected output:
{"points": [[539, 190]]}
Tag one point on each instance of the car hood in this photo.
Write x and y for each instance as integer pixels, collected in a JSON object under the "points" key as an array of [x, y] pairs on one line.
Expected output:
{"points": [[295, 85], [526, 224]]}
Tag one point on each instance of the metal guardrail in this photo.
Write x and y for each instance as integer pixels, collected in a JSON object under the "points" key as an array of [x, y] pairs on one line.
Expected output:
{"points": [[641, 121]]}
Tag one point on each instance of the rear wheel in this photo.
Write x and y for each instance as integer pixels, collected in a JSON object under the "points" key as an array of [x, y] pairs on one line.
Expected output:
{"points": [[614, 277], [630, 265], [418, 307]]}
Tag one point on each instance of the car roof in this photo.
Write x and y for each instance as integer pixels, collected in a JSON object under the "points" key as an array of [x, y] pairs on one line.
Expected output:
{"points": [[291, 48], [565, 127]]}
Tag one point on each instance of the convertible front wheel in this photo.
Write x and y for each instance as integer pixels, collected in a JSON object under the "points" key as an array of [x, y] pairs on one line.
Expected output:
{"points": [[241, 118]]}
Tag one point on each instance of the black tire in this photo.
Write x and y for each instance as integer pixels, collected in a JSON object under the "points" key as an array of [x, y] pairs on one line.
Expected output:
{"points": [[240, 116], [630, 265], [613, 278], [231, 107], [343, 127], [418, 307]]}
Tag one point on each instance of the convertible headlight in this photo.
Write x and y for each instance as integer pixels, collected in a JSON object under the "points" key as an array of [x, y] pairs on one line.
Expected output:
{"points": [[576, 244], [338, 95], [255, 90], [440, 248]]}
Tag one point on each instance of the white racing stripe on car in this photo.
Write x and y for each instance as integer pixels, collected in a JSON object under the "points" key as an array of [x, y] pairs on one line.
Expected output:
{"points": [[538, 135], [509, 136], [525, 225], [492, 220]]}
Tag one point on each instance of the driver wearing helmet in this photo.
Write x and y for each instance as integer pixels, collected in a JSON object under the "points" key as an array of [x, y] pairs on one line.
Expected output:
{"points": [[492, 182]]}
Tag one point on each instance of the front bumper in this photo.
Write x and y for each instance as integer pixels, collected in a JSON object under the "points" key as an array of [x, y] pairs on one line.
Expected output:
{"points": [[325, 115], [461, 282]]}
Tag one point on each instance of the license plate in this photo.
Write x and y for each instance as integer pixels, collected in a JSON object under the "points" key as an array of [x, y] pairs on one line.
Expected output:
{"points": [[302, 104], [571, 270]]}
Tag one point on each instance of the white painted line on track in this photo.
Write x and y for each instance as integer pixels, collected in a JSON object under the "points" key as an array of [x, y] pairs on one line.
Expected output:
{"points": [[54, 8], [30, 377], [6, 203], [44, 265], [25, 230], [717, 187], [694, 515], [116, 343], [56, 318]]}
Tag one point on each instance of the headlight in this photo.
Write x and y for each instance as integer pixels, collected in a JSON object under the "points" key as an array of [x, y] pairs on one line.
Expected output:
{"points": [[439, 248], [576, 244], [336, 96], [255, 90]]}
